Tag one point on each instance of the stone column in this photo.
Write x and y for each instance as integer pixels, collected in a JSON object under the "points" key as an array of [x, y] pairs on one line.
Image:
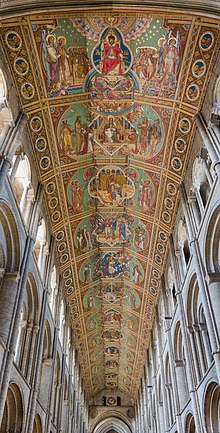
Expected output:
{"points": [[24, 196], [207, 171], [199, 199], [17, 161], [204, 337], [39, 347], [4, 169], [9, 294], [35, 331], [213, 281], [191, 378], [165, 404], [195, 210], [181, 383], [196, 364], [26, 350], [199, 269], [27, 210], [144, 396], [14, 326], [51, 388], [199, 347], [41, 252], [173, 385], [15, 318], [12, 141], [208, 143], [22, 325], [180, 263]]}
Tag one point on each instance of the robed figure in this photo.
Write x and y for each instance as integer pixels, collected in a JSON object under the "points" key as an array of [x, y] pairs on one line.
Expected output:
{"points": [[112, 57]]}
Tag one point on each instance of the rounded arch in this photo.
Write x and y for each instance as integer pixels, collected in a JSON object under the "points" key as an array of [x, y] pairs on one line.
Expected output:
{"points": [[212, 243], [47, 345], [112, 423], [10, 232], [178, 343], [37, 428], [192, 301], [190, 424], [212, 408], [33, 301], [13, 412]]}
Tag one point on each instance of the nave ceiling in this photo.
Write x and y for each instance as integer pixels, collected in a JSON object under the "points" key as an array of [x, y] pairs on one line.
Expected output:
{"points": [[110, 100]]}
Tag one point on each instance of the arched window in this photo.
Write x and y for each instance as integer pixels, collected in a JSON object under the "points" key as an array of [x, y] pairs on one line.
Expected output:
{"points": [[5, 112], [37, 428], [183, 244], [169, 390], [202, 182], [172, 299], [197, 329], [13, 412], [160, 405], [205, 337], [57, 388], [180, 366], [53, 290], [212, 408], [46, 366], [215, 116], [190, 424], [212, 261], [28, 328], [61, 322], [41, 247], [21, 335], [104, 400], [21, 176], [118, 401]]}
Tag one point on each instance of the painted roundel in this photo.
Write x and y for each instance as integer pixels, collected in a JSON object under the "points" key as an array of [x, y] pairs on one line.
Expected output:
{"points": [[192, 92], [21, 66], [53, 202], [60, 235], [171, 189], [206, 41], [176, 164], [45, 163], [36, 124], [111, 186], [40, 144], [50, 188], [198, 68], [166, 217], [184, 125], [163, 236], [13, 40], [27, 91], [56, 216], [180, 145], [168, 203]]}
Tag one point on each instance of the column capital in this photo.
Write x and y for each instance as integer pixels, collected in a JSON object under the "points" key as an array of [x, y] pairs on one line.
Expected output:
{"points": [[212, 277]]}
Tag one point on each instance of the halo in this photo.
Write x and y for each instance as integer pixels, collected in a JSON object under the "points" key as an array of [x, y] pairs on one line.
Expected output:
{"points": [[61, 37], [112, 33], [160, 41], [49, 36], [174, 39]]}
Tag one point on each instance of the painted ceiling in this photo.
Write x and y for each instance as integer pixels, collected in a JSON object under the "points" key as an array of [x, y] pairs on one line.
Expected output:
{"points": [[110, 101]]}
